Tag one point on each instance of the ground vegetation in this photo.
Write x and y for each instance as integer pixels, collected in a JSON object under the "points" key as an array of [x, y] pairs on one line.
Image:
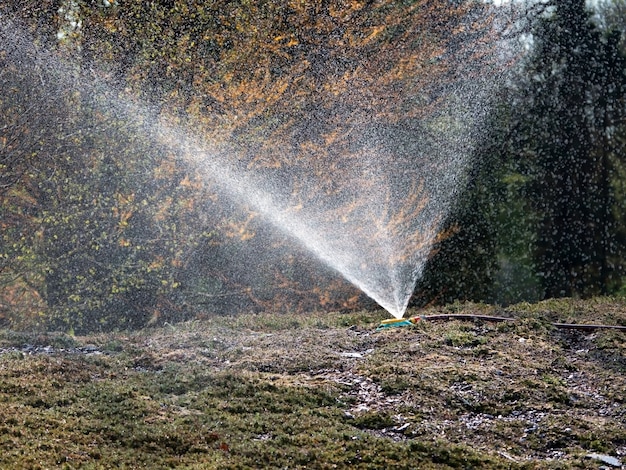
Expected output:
{"points": [[323, 390]]}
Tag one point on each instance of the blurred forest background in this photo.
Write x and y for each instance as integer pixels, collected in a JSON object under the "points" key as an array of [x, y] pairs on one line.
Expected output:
{"points": [[102, 227]]}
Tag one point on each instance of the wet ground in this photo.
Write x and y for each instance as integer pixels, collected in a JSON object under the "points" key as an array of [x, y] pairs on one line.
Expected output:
{"points": [[324, 390]]}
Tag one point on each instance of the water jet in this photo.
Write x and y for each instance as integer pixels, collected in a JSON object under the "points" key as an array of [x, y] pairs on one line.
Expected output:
{"points": [[370, 200]]}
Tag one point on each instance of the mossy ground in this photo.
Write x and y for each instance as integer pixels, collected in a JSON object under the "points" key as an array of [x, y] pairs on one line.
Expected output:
{"points": [[322, 391]]}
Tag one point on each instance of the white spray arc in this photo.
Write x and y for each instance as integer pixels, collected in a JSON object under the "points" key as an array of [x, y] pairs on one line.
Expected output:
{"points": [[381, 247], [399, 200]]}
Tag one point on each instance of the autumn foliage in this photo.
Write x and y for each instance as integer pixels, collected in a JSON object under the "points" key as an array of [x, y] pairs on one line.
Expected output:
{"points": [[105, 225]]}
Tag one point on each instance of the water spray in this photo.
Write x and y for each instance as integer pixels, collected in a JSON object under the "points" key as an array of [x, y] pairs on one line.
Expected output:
{"points": [[391, 230]]}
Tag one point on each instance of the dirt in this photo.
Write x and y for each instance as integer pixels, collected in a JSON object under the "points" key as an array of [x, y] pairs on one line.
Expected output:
{"points": [[324, 390]]}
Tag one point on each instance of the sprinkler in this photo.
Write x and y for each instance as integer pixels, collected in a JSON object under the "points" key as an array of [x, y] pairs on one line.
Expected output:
{"points": [[396, 322]]}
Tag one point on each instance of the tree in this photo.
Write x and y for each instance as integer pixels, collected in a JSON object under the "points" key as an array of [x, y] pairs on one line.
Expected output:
{"points": [[574, 82], [311, 99], [30, 126]]}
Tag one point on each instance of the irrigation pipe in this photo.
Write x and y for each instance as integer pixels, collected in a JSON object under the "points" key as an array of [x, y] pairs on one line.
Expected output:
{"points": [[462, 316]]}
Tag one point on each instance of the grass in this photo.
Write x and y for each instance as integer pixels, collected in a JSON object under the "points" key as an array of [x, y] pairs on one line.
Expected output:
{"points": [[322, 391]]}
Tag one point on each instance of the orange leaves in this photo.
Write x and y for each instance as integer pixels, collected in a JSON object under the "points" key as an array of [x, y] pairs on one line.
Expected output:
{"points": [[371, 34], [163, 209], [166, 169], [123, 210], [21, 303], [124, 199], [157, 263], [187, 183], [343, 11], [190, 184], [240, 229], [265, 160], [294, 91], [110, 25], [19, 197], [124, 216]]}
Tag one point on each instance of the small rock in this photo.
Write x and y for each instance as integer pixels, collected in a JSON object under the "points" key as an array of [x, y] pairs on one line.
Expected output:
{"points": [[351, 354], [607, 459]]}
